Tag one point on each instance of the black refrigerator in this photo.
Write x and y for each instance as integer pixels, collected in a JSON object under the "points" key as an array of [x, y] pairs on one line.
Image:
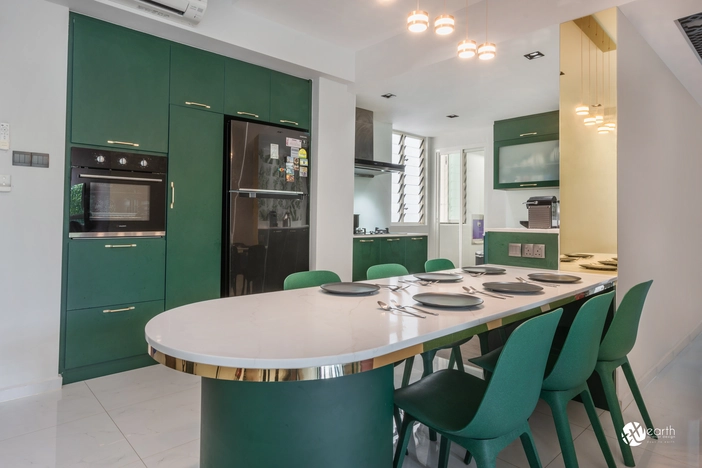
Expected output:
{"points": [[266, 207]]}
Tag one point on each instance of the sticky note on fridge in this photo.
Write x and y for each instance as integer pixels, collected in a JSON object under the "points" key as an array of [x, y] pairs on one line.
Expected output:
{"points": [[303, 171], [274, 151], [302, 153], [293, 142], [295, 152]]}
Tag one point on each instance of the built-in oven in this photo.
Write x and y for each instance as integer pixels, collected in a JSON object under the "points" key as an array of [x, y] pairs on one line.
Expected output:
{"points": [[115, 193]]}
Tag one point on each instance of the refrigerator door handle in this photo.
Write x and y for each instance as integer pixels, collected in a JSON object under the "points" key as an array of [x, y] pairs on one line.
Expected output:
{"points": [[257, 193]]}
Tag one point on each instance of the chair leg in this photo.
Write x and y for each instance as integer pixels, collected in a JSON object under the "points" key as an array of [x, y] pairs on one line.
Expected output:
{"points": [[452, 360], [428, 362], [560, 418], [444, 452], [409, 363], [468, 457], [402, 441], [458, 357], [484, 343], [597, 426], [631, 380], [530, 448], [615, 411]]}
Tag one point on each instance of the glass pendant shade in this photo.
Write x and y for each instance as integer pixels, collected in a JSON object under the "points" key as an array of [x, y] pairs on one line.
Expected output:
{"points": [[611, 125], [599, 119], [467, 48], [589, 121], [444, 24], [418, 21], [582, 109], [603, 129], [487, 51]]}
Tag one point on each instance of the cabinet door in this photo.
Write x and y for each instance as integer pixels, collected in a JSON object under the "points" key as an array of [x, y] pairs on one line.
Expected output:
{"points": [[194, 215], [392, 250], [197, 78], [120, 87], [114, 271], [527, 126], [415, 253], [107, 333], [290, 101], [247, 90], [522, 164], [366, 253]]}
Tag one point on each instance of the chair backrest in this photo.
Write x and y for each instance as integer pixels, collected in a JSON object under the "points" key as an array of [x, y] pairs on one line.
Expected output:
{"points": [[386, 270], [437, 264], [578, 356], [307, 279], [621, 335], [514, 388]]}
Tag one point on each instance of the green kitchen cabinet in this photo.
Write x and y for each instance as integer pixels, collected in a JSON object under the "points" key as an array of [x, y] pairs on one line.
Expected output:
{"points": [[415, 253], [104, 334], [392, 250], [247, 90], [366, 253], [114, 271], [197, 78], [290, 101], [527, 126], [194, 212], [119, 87]]}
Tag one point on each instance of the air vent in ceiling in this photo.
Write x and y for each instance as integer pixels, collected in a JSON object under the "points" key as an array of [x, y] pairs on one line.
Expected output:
{"points": [[691, 26]]}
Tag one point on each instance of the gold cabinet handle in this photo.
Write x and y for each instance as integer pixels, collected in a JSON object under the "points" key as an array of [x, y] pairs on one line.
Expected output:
{"points": [[128, 143], [172, 194], [417, 238], [366, 240], [289, 121], [393, 240], [197, 104], [527, 185], [119, 246], [247, 113], [110, 311], [527, 134]]}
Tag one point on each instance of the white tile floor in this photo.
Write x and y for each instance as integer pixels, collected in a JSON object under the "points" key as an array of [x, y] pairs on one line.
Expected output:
{"points": [[150, 418]]}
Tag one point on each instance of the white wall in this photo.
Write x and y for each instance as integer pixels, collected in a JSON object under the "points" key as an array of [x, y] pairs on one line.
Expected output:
{"points": [[333, 141], [659, 197], [373, 195], [33, 102]]}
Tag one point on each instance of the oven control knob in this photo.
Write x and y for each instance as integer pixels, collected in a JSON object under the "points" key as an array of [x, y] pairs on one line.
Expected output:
{"points": [[100, 158], [123, 161], [143, 163]]}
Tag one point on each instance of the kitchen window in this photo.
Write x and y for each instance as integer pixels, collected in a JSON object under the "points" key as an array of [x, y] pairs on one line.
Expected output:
{"points": [[408, 194]]}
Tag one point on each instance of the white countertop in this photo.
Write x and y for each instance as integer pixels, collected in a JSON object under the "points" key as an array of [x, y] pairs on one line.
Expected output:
{"points": [[524, 230], [393, 234], [308, 327]]}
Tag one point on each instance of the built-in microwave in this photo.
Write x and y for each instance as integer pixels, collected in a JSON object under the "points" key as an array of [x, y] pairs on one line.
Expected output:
{"points": [[116, 194]]}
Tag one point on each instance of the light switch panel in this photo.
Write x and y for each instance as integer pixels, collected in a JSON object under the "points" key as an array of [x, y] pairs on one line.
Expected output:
{"points": [[4, 136], [515, 250], [5, 183]]}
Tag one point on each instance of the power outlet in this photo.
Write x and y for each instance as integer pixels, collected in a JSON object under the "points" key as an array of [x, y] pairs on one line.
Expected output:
{"points": [[528, 250], [539, 251], [515, 250]]}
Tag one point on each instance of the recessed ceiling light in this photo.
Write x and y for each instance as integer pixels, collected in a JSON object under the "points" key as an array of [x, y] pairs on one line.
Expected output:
{"points": [[534, 55], [452, 116], [388, 95]]}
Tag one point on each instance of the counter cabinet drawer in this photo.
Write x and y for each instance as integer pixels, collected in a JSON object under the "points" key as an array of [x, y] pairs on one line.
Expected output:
{"points": [[103, 334]]}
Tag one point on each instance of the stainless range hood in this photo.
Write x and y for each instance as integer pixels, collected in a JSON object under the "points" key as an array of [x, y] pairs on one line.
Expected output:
{"points": [[365, 164]]}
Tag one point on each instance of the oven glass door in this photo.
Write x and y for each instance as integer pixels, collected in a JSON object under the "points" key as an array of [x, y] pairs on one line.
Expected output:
{"points": [[115, 203]]}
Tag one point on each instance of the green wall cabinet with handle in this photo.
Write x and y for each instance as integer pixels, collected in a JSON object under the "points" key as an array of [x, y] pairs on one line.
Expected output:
{"points": [[197, 79], [392, 250], [415, 253], [194, 212], [120, 87], [247, 90], [366, 253], [290, 101], [527, 126]]}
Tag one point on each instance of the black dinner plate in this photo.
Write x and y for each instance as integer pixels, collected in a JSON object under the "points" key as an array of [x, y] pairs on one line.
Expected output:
{"points": [[487, 270], [453, 300], [440, 277], [350, 289], [511, 287], [554, 277]]}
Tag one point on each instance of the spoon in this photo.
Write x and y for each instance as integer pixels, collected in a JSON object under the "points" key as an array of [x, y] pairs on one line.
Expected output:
{"points": [[472, 290], [399, 306], [387, 307], [538, 284]]}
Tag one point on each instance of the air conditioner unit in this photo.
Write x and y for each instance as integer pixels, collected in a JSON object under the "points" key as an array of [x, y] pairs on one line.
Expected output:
{"points": [[189, 12]]}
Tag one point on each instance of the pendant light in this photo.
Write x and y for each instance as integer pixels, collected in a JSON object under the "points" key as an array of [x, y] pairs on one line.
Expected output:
{"points": [[444, 24], [610, 122], [581, 108], [590, 120], [599, 118], [418, 20], [467, 48], [487, 50]]}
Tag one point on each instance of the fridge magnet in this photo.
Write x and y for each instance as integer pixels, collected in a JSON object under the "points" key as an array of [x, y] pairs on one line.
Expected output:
{"points": [[289, 178], [295, 152], [303, 162], [302, 153], [293, 142], [274, 151], [303, 171], [289, 169], [289, 160], [296, 164]]}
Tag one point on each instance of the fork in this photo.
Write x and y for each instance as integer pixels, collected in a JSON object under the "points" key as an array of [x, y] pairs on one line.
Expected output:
{"points": [[472, 290], [400, 306], [475, 275], [420, 282], [538, 284]]}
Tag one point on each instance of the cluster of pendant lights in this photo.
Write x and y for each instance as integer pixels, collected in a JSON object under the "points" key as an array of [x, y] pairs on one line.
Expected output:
{"points": [[418, 21], [594, 114]]}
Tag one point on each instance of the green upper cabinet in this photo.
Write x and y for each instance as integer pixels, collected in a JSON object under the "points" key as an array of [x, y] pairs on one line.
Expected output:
{"points": [[197, 78], [247, 90], [415, 253], [290, 101], [527, 126], [119, 87], [194, 212]]}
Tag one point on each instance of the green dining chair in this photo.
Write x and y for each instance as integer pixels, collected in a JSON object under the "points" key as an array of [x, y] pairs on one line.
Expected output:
{"points": [[386, 270], [438, 264], [567, 373], [483, 416], [619, 339], [308, 279]]}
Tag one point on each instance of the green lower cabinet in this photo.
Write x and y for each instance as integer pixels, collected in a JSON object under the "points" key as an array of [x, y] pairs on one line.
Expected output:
{"points": [[194, 214], [107, 333], [114, 271], [366, 253], [415, 253], [392, 250]]}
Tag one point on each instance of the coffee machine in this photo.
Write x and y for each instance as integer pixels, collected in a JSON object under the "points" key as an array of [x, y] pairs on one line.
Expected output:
{"points": [[543, 212]]}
